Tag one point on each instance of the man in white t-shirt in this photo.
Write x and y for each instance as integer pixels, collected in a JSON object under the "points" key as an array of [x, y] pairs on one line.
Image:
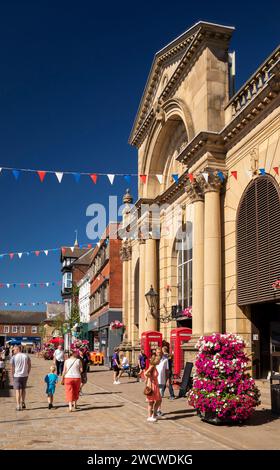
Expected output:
{"points": [[162, 369], [58, 359], [21, 366]]}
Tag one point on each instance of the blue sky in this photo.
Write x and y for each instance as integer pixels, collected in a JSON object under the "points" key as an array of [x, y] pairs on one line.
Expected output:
{"points": [[72, 75]]}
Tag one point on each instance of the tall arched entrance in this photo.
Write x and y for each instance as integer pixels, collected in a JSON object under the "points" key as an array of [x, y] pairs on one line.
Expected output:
{"points": [[258, 268]]}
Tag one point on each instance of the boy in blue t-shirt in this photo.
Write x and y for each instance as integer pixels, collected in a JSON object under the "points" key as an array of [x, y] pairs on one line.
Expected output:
{"points": [[51, 381]]}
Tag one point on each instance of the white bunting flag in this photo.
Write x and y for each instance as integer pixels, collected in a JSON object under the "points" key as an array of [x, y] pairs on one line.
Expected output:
{"points": [[72, 248], [6, 303], [29, 285], [46, 252], [20, 304], [0, 170], [98, 244], [59, 175], [160, 178], [8, 285], [249, 173], [206, 176], [19, 255], [47, 284], [33, 303], [111, 178]]}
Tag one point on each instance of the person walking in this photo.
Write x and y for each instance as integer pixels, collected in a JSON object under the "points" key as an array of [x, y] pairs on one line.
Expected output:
{"points": [[71, 378], [154, 398], [51, 380], [162, 368], [142, 364], [58, 359], [84, 356], [169, 373], [116, 366], [21, 367]]}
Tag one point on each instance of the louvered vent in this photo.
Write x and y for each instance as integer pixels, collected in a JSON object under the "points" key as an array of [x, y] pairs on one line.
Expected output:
{"points": [[258, 242]]}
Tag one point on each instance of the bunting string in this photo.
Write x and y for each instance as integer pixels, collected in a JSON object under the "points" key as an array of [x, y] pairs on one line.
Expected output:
{"points": [[11, 285], [30, 304], [94, 176], [45, 252]]}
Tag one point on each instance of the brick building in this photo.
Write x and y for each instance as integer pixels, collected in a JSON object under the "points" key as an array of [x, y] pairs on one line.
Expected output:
{"points": [[21, 326], [106, 293]]}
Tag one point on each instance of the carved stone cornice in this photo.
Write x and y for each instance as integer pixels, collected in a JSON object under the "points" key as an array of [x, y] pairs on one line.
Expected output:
{"points": [[213, 182], [194, 191], [126, 251]]}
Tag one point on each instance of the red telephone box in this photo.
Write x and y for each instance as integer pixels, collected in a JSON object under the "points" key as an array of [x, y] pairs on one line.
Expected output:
{"points": [[150, 340], [178, 337]]}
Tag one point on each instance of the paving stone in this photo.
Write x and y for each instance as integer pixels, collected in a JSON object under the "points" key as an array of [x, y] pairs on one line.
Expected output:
{"points": [[111, 416]]}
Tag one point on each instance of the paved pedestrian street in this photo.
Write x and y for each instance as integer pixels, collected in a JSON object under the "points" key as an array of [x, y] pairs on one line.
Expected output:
{"points": [[114, 417]]}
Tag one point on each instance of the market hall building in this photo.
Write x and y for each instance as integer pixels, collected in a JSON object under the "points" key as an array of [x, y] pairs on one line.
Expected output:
{"points": [[214, 154]]}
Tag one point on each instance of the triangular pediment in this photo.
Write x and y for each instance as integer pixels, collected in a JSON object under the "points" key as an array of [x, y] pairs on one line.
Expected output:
{"points": [[167, 62]]}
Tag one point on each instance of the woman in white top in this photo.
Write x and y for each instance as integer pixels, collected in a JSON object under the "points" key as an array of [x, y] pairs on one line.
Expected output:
{"points": [[72, 379]]}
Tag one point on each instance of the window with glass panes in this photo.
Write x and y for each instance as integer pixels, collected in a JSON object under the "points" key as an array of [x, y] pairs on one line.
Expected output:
{"points": [[67, 280], [184, 268]]}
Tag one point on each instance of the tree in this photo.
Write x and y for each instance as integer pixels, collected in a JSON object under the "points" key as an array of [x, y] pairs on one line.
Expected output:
{"points": [[75, 311]]}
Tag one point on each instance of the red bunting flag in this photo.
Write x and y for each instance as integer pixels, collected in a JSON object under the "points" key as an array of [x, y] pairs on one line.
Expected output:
{"points": [[234, 174], [143, 178], [11, 255], [63, 250], [276, 169], [22, 285], [94, 177], [42, 175], [89, 245], [191, 177], [37, 252]]}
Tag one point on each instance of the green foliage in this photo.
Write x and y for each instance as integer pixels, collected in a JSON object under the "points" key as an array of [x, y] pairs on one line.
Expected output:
{"points": [[75, 312]]}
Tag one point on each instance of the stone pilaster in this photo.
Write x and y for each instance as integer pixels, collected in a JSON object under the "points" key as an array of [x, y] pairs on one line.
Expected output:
{"points": [[195, 193]]}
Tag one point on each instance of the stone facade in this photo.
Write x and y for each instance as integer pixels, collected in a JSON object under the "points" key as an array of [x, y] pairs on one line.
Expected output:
{"points": [[189, 125]]}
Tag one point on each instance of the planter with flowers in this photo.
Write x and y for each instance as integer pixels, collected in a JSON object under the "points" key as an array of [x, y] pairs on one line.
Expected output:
{"points": [[223, 391], [48, 351], [81, 346]]}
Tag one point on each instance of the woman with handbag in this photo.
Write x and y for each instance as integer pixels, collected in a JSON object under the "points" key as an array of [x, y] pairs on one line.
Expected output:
{"points": [[151, 390], [71, 378]]}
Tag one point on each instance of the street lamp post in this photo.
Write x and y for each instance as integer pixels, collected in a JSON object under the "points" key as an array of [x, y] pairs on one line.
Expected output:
{"points": [[152, 301]]}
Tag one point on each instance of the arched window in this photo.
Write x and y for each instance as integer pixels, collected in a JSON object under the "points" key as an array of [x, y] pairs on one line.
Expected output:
{"points": [[184, 248], [258, 242]]}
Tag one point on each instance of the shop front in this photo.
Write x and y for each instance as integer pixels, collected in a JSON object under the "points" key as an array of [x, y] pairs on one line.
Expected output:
{"points": [[109, 338], [93, 335]]}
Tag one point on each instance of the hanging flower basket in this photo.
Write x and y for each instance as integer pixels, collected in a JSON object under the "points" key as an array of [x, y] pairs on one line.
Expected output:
{"points": [[187, 312], [115, 325], [276, 285], [223, 391]]}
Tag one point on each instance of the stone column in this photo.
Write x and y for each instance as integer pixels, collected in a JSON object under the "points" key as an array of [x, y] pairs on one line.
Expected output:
{"points": [[212, 256], [151, 279], [195, 193], [142, 292], [198, 261], [125, 254]]}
